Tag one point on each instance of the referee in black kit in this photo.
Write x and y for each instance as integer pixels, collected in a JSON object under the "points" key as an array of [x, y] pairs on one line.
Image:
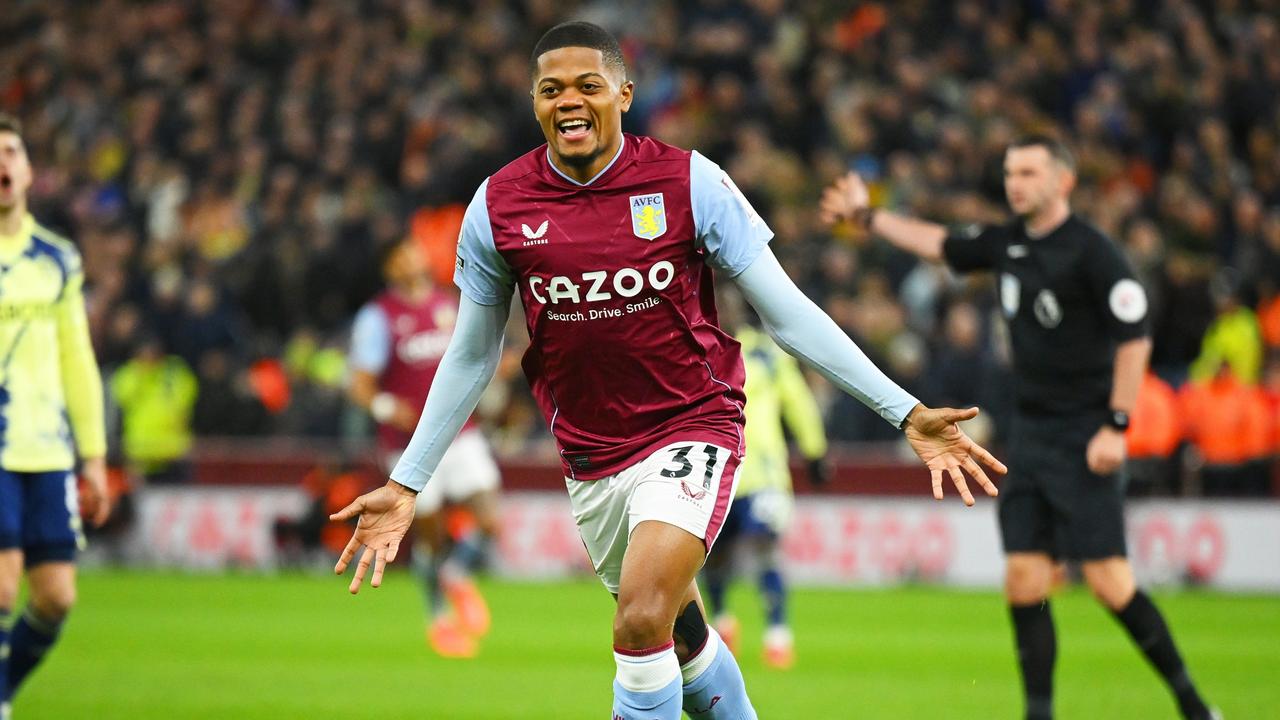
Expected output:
{"points": [[1077, 319]]}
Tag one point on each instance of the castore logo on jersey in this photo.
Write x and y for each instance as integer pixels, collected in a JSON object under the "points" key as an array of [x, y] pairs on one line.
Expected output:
{"points": [[535, 237]]}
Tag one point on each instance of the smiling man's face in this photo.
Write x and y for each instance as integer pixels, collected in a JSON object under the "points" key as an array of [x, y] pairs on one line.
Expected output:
{"points": [[579, 100]]}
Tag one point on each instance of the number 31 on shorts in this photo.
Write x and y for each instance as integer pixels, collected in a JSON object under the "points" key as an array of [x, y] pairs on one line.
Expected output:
{"points": [[683, 468]]}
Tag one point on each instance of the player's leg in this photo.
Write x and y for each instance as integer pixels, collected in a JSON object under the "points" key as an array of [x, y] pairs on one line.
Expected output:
{"points": [[10, 571], [428, 544], [683, 496], [428, 549], [719, 570], [1095, 535], [444, 633], [51, 536], [468, 550], [763, 523], [779, 643], [658, 568], [469, 477], [1026, 529], [712, 681], [1028, 577], [52, 586], [471, 550], [1112, 582], [658, 502], [10, 574]]}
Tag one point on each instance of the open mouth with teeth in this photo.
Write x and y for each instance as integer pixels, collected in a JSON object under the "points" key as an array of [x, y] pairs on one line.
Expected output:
{"points": [[574, 129]]}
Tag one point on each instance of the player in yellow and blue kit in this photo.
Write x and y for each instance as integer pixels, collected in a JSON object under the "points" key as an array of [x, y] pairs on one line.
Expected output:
{"points": [[776, 393], [50, 410]]}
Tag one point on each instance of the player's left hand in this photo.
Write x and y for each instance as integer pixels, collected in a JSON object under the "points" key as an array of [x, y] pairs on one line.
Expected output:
{"points": [[937, 438], [97, 505], [384, 516], [1106, 451]]}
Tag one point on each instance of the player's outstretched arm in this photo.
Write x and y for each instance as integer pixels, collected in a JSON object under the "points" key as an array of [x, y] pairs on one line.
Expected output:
{"points": [[385, 514], [935, 435], [801, 328], [847, 199]]}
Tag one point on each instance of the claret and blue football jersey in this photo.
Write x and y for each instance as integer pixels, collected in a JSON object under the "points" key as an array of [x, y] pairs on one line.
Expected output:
{"points": [[615, 276]]}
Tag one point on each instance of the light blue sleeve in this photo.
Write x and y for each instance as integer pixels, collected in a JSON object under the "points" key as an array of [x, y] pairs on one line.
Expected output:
{"points": [[732, 232], [481, 272], [465, 370], [804, 330], [370, 340]]}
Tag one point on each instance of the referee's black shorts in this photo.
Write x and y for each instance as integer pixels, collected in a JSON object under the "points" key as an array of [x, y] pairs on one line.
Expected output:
{"points": [[1051, 502]]}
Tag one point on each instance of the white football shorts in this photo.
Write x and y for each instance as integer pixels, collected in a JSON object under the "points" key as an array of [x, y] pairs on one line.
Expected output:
{"points": [[687, 484]]}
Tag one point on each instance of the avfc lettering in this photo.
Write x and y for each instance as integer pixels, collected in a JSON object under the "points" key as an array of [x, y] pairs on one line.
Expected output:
{"points": [[648, 215], [597, 286]]}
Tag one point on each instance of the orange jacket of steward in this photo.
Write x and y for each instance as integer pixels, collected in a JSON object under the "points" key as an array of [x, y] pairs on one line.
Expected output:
{"points": [[1154, 430], [1229, 421]]}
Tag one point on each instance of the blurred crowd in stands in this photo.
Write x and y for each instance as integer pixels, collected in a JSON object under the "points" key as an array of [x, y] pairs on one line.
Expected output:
{"points": [[229, 167]]}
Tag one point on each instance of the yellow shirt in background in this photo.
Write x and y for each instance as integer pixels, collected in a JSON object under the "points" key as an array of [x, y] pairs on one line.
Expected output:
{"points": [[776, 393]]}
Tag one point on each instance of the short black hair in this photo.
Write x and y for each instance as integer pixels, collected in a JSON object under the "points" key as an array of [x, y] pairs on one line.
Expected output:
{"points": [[9, 123], [1057, 149], [580, 34]]}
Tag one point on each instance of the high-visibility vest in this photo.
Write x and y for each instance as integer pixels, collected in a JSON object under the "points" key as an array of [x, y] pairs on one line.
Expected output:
{"points": [[1226, 419]]}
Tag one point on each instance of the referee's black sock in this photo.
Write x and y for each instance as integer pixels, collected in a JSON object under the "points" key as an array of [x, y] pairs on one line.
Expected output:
{"points": [[1147, 628], [1037, 649]]}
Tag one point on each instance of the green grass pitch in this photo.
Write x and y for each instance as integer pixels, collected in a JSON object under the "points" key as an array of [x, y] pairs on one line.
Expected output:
{"points": [[147, 645]]}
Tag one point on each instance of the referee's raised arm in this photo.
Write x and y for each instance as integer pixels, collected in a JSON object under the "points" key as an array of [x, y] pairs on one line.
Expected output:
{"points": [[848, 199]]}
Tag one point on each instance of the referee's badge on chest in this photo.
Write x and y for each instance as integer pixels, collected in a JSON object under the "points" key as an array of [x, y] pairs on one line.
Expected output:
{"points": [[1048, 309], [648, 215], [1010, 295]]}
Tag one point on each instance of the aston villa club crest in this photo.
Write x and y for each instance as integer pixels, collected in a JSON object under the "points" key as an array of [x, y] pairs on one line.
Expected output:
{"points": [[648, 216]]}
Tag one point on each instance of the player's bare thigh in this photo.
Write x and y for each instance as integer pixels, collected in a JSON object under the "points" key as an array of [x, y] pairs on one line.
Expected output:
{"points": [[1027, 578], [10, 576], [658, 569]]}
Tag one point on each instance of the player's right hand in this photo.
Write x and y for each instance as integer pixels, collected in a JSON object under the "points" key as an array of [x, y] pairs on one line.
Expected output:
{"points": [[384, 517], [844, 199]]}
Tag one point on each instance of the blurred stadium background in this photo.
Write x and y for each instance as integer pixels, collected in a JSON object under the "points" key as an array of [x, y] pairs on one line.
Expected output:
{"points": [[228, 168]]}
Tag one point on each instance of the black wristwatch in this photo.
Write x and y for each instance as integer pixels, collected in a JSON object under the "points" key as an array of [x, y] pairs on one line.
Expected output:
{"points": [[1118, 419]]}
